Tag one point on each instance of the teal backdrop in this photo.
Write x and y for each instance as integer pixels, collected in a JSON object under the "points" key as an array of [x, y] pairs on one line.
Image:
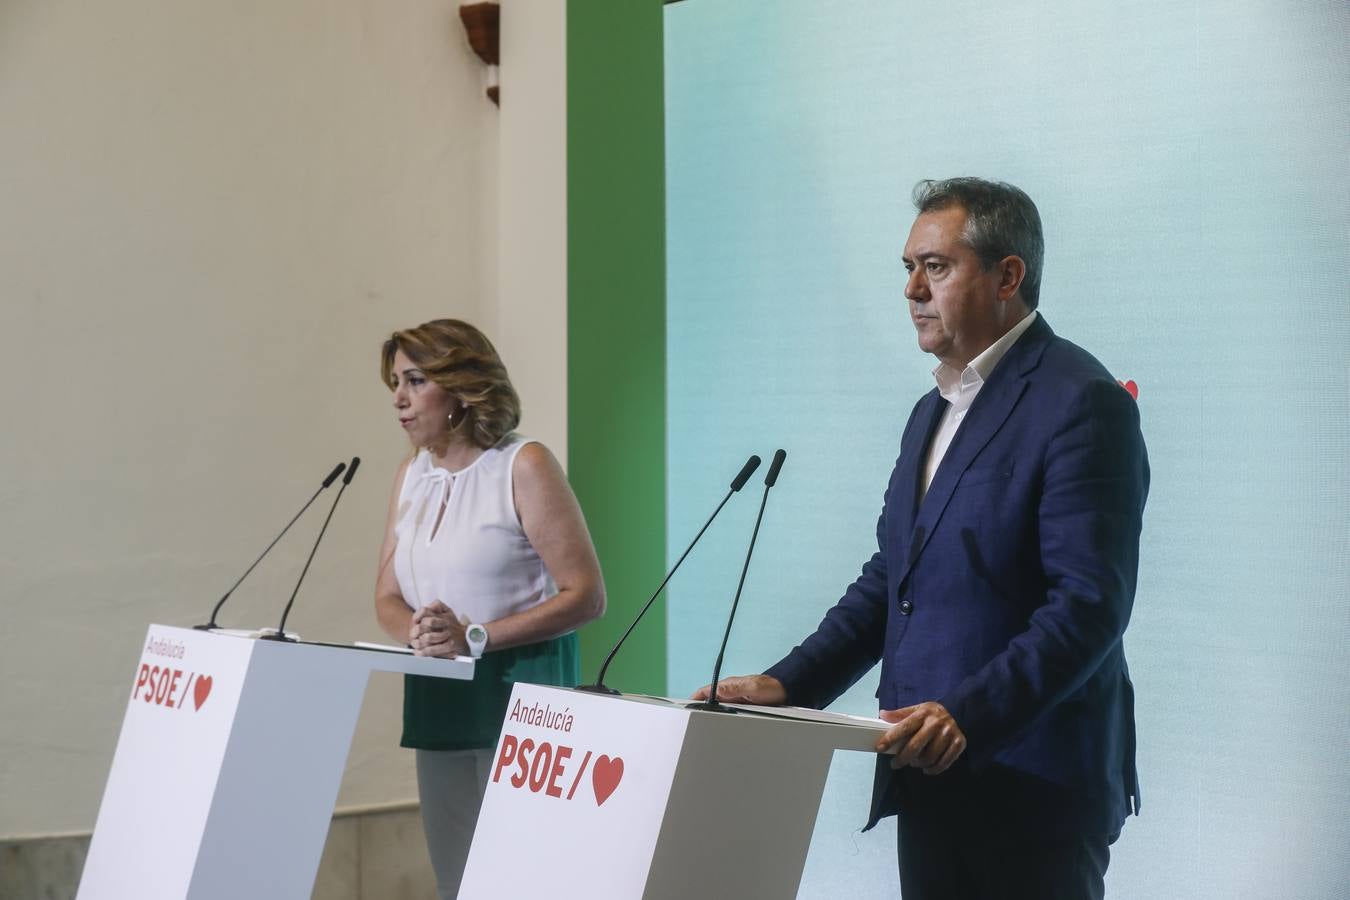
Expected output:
{"points": [[1190, 163]]}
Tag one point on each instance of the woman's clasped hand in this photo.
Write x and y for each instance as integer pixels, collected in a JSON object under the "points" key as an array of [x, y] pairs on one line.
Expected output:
{"points": [[437, 631]]}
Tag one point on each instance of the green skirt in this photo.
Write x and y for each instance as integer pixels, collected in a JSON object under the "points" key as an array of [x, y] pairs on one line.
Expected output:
{"points": [[446, 714]]}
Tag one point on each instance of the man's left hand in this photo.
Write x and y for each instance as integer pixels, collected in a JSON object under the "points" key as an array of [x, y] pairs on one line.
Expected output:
{"points": [[925, 736]]}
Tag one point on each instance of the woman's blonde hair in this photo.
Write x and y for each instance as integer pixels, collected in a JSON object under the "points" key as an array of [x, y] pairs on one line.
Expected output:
{"points": [[460, 358]]}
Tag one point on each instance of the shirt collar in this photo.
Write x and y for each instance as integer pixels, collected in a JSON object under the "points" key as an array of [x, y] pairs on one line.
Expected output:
{"points": [[951, 384]]}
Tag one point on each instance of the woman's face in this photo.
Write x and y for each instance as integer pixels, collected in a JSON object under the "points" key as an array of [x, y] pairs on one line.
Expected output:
{"points": [[423, 406]]}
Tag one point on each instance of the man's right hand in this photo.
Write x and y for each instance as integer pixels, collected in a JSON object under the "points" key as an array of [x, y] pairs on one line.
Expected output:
{"points": [[761, 690]]}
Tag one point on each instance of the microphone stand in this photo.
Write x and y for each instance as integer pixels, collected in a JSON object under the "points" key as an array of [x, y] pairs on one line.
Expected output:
{"points": [[332, 476], [712, 704], [281, 628], [741, 478]]}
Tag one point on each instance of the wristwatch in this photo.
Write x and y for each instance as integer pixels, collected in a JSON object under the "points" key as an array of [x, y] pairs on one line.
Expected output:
{"points": [[476, 637]]}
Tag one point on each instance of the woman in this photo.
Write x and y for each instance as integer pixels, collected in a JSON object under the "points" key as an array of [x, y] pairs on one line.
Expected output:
{"points": [[486, 554]]}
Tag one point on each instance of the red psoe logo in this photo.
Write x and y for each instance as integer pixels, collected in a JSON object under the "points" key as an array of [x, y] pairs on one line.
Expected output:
{"points": [[545, 767], [164, 686]]}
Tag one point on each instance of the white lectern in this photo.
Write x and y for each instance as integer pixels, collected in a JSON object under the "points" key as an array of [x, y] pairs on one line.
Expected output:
{"points": [[626, 797], [228, 765]]}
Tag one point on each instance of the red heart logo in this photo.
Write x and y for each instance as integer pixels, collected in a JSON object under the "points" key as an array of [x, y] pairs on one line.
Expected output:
{"points": [[605, 777], [201, 690], [1129, 386]]}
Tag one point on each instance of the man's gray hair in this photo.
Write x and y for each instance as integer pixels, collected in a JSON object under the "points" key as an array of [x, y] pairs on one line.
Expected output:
{"points": [[1001, 221]]}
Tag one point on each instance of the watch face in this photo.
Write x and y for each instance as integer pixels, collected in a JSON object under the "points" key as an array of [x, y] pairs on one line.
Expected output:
{"points": [[477, 634]]}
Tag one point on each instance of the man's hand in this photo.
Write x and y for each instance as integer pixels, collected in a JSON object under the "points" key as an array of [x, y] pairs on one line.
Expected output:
{"points": [[925, 737], [761, 690], [437, 631]]}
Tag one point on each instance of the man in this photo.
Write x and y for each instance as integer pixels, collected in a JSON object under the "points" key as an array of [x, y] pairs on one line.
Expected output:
{"points": [[1005, 572]]}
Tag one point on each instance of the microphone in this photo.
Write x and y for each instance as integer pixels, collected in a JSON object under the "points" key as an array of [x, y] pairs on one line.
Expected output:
{"points": [[332, 476], [712, 704], [744, 474], [281, 628], [736, 484]]}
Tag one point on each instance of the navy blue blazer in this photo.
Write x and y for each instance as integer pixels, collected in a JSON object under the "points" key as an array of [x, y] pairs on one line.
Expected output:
{"points": [[1004, 594]]}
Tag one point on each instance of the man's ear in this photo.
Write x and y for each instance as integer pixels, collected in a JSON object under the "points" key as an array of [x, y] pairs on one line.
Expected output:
{"points": [[1011, 271]]}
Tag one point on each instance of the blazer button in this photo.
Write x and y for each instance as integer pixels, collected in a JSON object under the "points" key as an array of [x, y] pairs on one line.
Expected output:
{"points": [[906, 607]]}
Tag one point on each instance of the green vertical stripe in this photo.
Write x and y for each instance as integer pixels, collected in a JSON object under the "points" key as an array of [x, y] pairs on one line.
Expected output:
{"points": [[616, 319]]}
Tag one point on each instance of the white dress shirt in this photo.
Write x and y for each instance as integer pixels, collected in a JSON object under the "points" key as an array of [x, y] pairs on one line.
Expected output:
{"points": [[959, 390]]}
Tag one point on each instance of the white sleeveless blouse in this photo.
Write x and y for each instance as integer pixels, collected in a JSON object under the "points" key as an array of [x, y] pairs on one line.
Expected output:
{"points": [[478, 561]]}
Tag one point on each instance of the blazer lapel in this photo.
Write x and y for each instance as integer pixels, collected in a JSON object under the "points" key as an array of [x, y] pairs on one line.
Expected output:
{"points": [[991, 409], [913, 454]]}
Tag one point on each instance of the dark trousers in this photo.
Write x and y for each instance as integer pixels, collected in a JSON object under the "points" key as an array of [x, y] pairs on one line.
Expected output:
{"points": [[971, 839]]}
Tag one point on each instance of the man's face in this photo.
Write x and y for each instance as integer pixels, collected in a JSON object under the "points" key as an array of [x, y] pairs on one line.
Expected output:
{"points": [[953, 300]]}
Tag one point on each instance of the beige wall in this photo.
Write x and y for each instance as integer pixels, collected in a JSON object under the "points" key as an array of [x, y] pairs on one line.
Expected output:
{"points": [[531, 317], [209, 217]]}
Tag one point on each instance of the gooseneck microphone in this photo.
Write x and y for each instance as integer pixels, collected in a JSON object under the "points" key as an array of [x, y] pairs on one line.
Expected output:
{"points": [[712, 704], [281, 628], [737, 483], [332, 476]]}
